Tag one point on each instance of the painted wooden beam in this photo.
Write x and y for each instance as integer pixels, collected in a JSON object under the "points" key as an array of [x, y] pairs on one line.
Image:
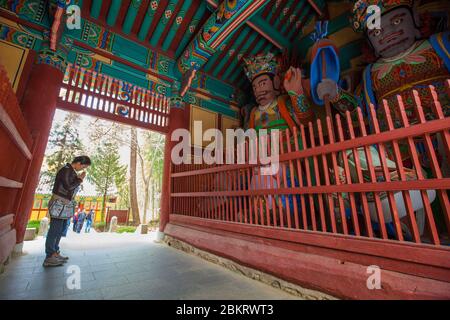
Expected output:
{"points": [[192, 27], [96, 7], [294, 18], [237, 56], [157, 16], [126, 9], [260, 25], [163, 22], [113, 12], [139, 17], [177, 32], [253, 48], [172, 24], [229, 53], [146, 24]]}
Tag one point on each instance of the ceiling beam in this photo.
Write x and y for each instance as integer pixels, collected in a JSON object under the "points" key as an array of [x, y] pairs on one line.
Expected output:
{"points": [[216, 30], [264, 28]]}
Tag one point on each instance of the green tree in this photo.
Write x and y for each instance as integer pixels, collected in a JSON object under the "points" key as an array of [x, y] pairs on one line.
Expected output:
{"points": [[106, 173], [63, 145], [152, 168]]}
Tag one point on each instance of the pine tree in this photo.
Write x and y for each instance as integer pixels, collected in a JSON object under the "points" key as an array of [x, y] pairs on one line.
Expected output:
{"points": [[106, 173], [63, 145]]}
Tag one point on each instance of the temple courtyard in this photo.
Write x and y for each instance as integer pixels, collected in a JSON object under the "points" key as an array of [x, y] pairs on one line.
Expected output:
{"points": [[125, 266]]}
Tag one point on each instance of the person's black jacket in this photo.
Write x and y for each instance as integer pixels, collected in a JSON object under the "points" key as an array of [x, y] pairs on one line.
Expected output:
{"points": [[66, 182]]}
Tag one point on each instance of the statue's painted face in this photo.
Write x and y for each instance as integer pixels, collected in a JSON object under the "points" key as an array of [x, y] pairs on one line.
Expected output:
{"points": [[398, 33], [264, 90]]}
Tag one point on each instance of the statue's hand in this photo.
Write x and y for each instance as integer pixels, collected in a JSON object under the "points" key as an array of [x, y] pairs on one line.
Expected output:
{"points": [[293, 81], [327, 87]]}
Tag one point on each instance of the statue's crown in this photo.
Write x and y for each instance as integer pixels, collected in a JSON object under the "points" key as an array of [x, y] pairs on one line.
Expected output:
{"points": [[260, 64], [360, 15]]}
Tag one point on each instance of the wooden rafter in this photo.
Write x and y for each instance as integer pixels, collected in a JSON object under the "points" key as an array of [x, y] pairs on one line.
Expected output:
{"points": [[124, 7], [286, 17], [278, 11], [140, 17], [235, 53], [170, 23], [249, 50], [158, 14], [104, 10], [184, 26]]}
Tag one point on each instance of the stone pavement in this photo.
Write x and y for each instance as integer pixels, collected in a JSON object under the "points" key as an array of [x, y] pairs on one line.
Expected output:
{"points": [[125, 266]]}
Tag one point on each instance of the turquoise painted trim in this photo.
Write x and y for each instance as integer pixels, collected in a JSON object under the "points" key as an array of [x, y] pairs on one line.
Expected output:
{"points": [[197, 18], [131, 15], [231, 20], [236, 44], [130, 50], [297, 14], [173, 30], [113, 12], [236, 58], [281, 16], [272, 12], [302, 17], [271, 31], [95, 8], [259, 46], [162, 23], [146, 23]]}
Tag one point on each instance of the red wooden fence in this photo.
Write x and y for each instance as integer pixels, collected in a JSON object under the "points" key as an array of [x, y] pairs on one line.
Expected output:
{"points": [[88, 92], [369, 193]]}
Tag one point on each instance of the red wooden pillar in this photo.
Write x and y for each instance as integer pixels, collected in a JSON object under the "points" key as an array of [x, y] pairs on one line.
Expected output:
{"points": [[179, 118], [38, 106]]}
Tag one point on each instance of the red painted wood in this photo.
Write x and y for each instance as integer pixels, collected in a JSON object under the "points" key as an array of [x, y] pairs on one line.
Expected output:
{"points": [[38, 106], [179, 118], [267, 9], [278, 11], [86, 9], [158, 14], [403, 251], [233, 56], [238, 66], [286, 17], [225, 52], [302, 23], [170, 23], [140, 17], [122, 13], [104, 10], [8, 183], [183, 29], [334, 276]]}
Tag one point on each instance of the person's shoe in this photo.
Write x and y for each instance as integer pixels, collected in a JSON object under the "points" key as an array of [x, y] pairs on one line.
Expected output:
{"points": [[61, 257], [52, 261]]}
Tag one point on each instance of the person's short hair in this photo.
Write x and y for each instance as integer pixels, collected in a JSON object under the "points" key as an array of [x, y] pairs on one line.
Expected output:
{"points": [[84, 160]]}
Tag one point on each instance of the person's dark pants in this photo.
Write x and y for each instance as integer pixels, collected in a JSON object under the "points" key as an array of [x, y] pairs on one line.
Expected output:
{"points": [[54, 236], [66, 228], [75, 223]]}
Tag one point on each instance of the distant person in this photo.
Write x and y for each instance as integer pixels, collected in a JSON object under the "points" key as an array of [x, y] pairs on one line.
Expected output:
{"points": [[80, 222], [89, 219], [75, 220], [62, 207]]}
